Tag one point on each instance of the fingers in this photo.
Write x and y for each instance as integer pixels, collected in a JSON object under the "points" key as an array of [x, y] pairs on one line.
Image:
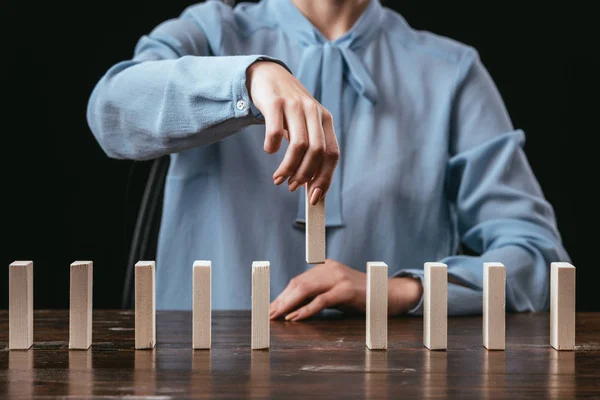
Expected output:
{"points": [[296, 125], [304, 287], [313, 158], [275, 310], [298, 291], [322, 180], [338, 295], [274, 125], [313, 152]]}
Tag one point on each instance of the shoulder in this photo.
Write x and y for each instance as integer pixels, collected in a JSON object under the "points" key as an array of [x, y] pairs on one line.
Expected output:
{"points": [[425, 45], [211, 24], [217, 18]]}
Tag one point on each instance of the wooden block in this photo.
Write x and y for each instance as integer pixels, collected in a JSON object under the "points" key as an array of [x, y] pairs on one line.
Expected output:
{"points": [[562, 306], [201, 305], [260, 304], [494, 305], [315, 230], [20, 305], [145, 305], [435, 306], [377, 305], [80, 310]]}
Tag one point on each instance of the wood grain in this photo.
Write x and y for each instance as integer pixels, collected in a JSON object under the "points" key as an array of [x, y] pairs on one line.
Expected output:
{"points": [[324, 357]]}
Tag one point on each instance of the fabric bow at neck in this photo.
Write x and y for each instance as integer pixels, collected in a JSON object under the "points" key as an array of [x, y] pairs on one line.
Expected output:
{"points": [[323, 67]]}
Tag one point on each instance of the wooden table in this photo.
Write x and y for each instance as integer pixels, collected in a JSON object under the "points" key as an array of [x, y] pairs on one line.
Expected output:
{"points": [[321, 358]]}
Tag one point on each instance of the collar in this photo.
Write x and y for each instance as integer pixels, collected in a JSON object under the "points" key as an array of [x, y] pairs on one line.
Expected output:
{"points": [[299, 28]]}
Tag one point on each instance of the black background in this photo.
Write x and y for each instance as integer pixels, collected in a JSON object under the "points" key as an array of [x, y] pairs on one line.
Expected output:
{"points": [[64, 200]]}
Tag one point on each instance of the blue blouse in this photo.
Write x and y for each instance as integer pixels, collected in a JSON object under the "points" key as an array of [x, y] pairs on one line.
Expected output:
{"points": [[430, 160]]}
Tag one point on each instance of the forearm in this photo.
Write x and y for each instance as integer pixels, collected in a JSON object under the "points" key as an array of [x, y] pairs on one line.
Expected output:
{"points": [[527, 266], [141, 110]]}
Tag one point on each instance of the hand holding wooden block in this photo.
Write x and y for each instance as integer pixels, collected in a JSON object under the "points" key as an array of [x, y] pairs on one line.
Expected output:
{"points": [[20, 305], [377, 305], [80, 309], [145, 305]]}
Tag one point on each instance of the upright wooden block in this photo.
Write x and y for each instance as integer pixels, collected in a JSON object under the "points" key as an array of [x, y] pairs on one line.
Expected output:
{"points": [[494, 305], [315, 230], [562, 306], [80, 310], [260, 304], [377, 305], [435, 306], [201, 305], [145, 305], [20, 305]]}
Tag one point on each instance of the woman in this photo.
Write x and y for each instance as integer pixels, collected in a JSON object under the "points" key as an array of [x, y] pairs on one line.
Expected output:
{"points": [[404, 132]]}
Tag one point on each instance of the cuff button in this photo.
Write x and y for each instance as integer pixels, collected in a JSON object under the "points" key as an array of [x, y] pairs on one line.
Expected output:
{"points": [[241, 105]]}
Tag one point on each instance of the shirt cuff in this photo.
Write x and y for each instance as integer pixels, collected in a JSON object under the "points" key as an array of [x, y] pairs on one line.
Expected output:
{"points": [[242, 104], [416, 274]]}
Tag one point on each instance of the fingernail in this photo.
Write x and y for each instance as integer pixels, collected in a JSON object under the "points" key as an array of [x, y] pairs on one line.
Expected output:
{"points": [[279, 180], [316, 196], [293, 186], [291, 316]]}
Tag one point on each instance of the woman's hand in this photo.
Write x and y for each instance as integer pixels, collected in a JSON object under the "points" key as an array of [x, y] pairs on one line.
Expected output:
{"points": [[292, 113], [333, 284]]}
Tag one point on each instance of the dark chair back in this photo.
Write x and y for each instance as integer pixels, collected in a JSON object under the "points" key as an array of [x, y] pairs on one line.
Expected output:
{"points": [[145, 234]]}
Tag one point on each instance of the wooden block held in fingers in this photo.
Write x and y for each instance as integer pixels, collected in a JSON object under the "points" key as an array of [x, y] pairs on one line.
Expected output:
{"points": [[562, 306], [315, 230], [377, 305], [20, 305], [435, 306], [260, 304], [494, 305], [80, 309], [145, 305], [201, 307]]}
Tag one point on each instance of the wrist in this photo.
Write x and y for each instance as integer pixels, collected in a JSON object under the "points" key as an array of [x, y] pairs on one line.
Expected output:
{"points": [[250, 70], [254, 70], [404, 293]]}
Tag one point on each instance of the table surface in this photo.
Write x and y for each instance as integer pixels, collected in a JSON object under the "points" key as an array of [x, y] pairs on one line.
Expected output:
{"points": [[323, 357]]}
